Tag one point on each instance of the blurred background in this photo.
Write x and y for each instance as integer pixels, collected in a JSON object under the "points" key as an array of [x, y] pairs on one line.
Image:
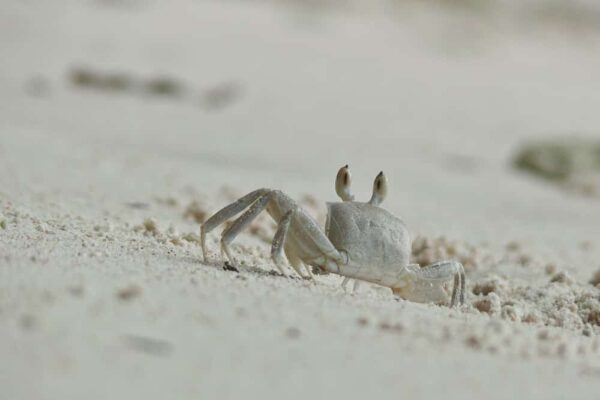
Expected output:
{"points": [[129, 98]]}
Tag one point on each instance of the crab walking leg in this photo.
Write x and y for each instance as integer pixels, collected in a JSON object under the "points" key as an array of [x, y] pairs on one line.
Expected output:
{"points": [[244, 220], [354, 287], [443, 271], [279, 241], [309, 273], [325, 254], [295, 261], [345, 283], [462, 287], [227, 212]]}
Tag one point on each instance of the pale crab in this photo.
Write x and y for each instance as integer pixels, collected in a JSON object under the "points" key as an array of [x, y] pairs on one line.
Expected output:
{"points": [[361, 241]]}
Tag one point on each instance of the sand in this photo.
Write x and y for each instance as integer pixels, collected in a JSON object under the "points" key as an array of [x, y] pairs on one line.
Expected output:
{"points": [[103, 293]]}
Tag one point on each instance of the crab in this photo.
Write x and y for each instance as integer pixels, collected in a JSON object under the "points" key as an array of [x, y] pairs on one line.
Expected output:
{"points": [[361, 241]]}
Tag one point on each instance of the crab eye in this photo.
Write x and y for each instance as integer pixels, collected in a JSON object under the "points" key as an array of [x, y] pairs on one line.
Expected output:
{"points": [[342, 183], [379, 189]]}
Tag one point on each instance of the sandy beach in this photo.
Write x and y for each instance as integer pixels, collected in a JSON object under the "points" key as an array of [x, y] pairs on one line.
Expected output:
{"points": [[125, 124]]}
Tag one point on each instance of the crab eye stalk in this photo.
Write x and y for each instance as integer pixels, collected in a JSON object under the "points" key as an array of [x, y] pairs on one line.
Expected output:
{"points": [[380, 187], [342, 184]]}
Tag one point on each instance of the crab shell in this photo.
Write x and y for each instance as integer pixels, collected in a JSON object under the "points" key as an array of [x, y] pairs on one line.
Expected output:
{"points": [[376, 243]]}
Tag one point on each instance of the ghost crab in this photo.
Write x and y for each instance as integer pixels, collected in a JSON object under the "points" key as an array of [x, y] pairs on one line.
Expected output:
{"points": [[361, 241]]}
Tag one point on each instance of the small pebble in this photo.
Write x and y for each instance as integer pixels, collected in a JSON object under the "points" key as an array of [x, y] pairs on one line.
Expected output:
{"points": [[490, 304], [386, 326], [76, 291], [550, 269], [595, 278], [562, 277], [27, 322], [129, 293], [292, 333]]}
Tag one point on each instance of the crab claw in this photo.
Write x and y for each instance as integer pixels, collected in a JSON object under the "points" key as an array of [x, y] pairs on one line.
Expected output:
{"points": [[380, 188], [342, 184]]}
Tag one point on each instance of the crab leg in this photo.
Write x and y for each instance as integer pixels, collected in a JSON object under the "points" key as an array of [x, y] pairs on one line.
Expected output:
{"points": [[309, 273], [244, 220], [345, 282], [307, 244], [225, 213], [309, 233], [354, 287], [295, 261], [279, 240]]}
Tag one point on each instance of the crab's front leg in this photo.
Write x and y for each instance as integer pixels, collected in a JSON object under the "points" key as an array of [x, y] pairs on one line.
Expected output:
{"points": [[279, 240], [425, 284]]}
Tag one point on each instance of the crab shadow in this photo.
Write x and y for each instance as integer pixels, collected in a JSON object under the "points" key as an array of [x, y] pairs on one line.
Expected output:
{"points": [[238, 269]]}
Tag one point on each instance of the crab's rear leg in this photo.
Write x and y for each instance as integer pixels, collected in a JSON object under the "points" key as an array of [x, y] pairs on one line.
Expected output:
{"points": [[436, 273], [227, 212]]}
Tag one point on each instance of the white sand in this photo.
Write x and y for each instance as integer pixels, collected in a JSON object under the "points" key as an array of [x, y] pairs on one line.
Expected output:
{"points": [[94, 305]]}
